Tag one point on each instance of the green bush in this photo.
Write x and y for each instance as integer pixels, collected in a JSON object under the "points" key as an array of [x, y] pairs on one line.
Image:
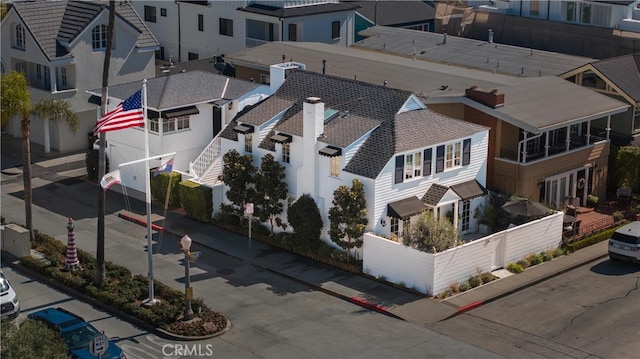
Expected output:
{"points": [[196, 200], [160, 184], [515, 268], [487, 277], [31, 339], [474, 281], [598, 237], [546, 256]]}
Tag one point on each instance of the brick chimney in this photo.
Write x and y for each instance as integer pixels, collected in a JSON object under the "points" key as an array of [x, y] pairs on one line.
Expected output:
{"points": [[492, 98]]}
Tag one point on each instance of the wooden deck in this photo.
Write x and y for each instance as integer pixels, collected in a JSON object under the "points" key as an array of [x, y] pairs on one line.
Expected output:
{"points": [[587, 220]]}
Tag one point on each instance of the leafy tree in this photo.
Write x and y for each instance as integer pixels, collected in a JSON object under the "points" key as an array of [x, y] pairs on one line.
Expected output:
{"points": [[305, 219], [628, 167], [31, 339], [16, 101], [238, 173], [50, 109], [348, 216], [271, 190], [429, 234]]}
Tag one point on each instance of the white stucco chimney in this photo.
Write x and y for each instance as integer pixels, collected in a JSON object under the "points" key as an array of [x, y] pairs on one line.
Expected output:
{"points": [[313, 117], [278, 73]]}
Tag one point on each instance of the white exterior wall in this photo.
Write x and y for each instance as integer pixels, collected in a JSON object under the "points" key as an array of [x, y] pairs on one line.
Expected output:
{"points": [[433, 273], [317, 28], [128, 145], [165, 29], [386, 191]]}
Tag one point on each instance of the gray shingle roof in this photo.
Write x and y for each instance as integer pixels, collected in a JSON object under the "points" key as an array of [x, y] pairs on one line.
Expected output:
{"points": [[624, 71], [178, 90], [53, 21], [468, 53], [369, 107], [389, 13], [434, 194], [296, 11]]}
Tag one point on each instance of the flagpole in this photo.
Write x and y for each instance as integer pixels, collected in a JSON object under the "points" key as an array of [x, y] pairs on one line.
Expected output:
{"points": [[147, 190]]}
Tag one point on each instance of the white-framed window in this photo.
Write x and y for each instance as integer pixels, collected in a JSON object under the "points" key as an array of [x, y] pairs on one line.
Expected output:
{"points": [[175, 124], [154, 125], [21, 66], [466, 211], [61, 78], [200, 22], [335, 166], [46, 77], [38, 71], [248, 142], [99, 37], [286, 152], [453, 155], [413, 165], [19, 37], [394, 229]]}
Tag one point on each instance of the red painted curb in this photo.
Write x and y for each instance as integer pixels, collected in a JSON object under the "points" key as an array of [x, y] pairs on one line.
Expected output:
{"points": [[369, 305], [155, 227], [468, 307]]}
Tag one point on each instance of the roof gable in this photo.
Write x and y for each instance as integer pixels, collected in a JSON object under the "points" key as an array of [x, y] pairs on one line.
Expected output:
{"points": [[623, 72], [54, 22]]}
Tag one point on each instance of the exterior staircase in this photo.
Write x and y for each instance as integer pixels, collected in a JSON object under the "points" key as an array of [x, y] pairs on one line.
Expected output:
{"points": [[208, 166]]}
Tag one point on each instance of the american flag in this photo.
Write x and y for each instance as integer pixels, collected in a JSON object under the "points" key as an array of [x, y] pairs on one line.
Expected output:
{"points": [[127, 114]]}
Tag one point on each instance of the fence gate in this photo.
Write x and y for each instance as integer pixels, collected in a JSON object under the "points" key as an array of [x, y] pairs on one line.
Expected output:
{"points": [[497, 250]]}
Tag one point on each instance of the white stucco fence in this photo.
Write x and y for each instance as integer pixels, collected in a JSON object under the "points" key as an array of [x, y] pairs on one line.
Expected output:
{"points": [[433, 273]]}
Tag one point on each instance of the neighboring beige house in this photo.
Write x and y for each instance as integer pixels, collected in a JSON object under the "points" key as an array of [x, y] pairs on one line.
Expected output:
{"points": [[619, 78], [60, 46]]}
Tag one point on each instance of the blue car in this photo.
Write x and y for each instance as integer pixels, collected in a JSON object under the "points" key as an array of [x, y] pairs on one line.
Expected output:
{"points": [[76, 333]]}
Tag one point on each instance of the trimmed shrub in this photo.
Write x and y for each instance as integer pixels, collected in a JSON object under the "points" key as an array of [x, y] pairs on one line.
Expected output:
{"points": [[196, 200], [160, 184], [515, 268], [599, 237]]}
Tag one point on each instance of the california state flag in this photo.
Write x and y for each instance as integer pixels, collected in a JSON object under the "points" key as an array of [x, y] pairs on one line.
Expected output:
{"points": [[110, 179]]}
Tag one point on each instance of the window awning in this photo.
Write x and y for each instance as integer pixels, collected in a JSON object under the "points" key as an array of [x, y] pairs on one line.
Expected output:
{"points": [[468, 190], [405, 208], [243, 128], [183, 111], [330, 151], [281, 138]]}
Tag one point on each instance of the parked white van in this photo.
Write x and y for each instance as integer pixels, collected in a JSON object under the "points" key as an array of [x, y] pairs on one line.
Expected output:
{"points": [[624, 244], [9, 300]]}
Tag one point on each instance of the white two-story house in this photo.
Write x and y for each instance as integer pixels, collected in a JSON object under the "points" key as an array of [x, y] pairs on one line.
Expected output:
{"points": [[327, 131], [191, 30], [60, 47], [185, 114]]}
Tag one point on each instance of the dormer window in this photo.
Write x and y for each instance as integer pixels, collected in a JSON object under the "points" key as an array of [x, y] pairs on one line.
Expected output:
{"points": [[19, 37], [99, 37]]}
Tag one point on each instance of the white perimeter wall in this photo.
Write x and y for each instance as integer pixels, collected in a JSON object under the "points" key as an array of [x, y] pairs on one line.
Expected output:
{"points": [[433, 273]]}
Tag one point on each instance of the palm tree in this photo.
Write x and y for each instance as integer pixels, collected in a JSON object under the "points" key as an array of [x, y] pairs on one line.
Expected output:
{"points": [[16, 101], [50, 109], [100, 240]]}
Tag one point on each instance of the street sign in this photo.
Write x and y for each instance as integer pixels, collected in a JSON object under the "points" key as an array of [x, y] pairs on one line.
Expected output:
{"points": [[248, 208], [99, 344]]}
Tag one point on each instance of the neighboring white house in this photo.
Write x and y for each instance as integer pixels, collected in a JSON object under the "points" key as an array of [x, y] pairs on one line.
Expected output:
{"points": [[327, 131], [190, 30], [623, 15], [60, 47], [185, 113]]}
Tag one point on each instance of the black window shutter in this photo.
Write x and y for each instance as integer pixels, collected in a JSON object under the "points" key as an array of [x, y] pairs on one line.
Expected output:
{"points": [[426, 162], [440, 159], [466, 152], [399, 169]]}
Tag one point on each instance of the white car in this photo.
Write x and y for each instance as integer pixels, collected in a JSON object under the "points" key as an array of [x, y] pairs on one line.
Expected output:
{"points": [[10, 304], [624, 244]]}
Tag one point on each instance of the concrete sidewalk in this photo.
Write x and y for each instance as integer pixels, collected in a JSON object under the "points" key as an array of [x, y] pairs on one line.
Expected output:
{"points": [[360, 290]]}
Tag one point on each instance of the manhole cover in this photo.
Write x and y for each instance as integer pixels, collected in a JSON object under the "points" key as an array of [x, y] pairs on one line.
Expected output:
{"points": [[224, 271]]}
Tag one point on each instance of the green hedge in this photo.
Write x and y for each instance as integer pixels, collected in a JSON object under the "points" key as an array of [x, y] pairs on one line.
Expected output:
{"points": [[159, 185], [599, 237], [196, 200]]}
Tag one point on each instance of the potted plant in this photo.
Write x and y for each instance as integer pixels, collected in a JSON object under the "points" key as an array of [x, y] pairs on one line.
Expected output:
{"points": [[592, 200]]}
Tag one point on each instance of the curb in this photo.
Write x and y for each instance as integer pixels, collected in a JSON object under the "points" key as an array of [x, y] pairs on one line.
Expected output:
{"points": [[15, 264], [473, 305], [155, 227]]}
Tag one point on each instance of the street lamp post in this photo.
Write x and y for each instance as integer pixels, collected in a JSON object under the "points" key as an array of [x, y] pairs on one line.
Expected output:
{"points": [[185, 243]]}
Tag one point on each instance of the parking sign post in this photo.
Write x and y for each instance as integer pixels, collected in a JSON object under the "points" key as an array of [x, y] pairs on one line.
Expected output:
{"points": [[249, 210]]}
